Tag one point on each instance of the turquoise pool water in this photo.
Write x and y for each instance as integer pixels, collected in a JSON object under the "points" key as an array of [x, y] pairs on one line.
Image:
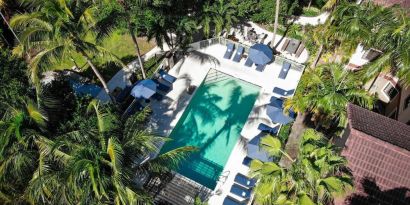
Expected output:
{"points": [[212, 122]]}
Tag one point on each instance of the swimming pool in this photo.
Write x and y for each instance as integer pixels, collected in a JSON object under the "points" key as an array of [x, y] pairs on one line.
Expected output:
{"points": [[212, 122]]}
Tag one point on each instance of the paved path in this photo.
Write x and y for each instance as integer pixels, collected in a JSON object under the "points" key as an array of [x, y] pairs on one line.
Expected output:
{"points": [[316, 20]]}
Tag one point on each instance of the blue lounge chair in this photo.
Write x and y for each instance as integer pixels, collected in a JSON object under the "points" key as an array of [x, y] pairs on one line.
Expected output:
{"points": [[266, 128], [244, 181], [163, 86], [283, 92], [231, 201], [167, 77], [285, 69], [248, 62], [260, 68], [247, 161], [241, 191], [229, 50], [276, 102], [238, 54]]}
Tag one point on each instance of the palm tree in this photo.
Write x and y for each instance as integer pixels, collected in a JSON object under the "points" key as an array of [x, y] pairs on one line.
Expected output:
{"points": [[275, 26], [131, 29], [20, 125], [220, 15], [99, 161], [316, 177], [324, 94], [58, 29]]}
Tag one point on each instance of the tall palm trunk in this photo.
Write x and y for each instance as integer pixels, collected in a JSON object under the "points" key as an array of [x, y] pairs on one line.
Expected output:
{"points": [[8, 25], [293, 144], [319, 53], [275, 26], [124, 4], [96, 72]]}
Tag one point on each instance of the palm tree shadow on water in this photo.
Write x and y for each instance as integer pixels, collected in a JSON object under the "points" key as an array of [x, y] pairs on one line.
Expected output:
{"points": [[374, 195]]}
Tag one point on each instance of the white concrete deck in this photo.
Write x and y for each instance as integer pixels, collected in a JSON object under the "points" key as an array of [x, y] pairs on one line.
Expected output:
{"points": [[191, 70], [314, 20]]}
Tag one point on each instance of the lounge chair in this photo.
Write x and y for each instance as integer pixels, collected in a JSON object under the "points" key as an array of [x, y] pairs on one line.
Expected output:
{"points": [[229, 50], [260, 68], [248, 62], [300, 50], [276, 102], [285, 69], [244, 180], [231, 201], [247, 161], [266, 128], [285, 45], [238, 54], [164, 87], [241, 191], [283, 92], [167, 77]]}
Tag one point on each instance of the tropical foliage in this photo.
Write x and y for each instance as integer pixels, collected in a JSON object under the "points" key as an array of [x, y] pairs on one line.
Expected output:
{"points": [[317, 176], [324, 92]]}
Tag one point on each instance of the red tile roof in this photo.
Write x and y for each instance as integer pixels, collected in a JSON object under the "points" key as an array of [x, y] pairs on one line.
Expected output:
{"points": [[379, 164], [401, 3]]}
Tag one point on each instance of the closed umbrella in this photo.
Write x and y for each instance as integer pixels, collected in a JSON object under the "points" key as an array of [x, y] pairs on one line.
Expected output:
{"points": [[260, 54], [144, 89], [277, 115]]}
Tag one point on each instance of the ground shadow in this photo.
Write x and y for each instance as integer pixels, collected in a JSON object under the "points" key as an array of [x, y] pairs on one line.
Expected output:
{"points": [[374, 195]]}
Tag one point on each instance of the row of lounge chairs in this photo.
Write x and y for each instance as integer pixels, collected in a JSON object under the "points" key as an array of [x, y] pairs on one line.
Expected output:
{"points": [[230, 47], [242, 189]]}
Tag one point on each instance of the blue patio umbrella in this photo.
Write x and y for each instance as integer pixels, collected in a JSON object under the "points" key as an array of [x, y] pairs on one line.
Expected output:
{"points": [[255, 152], [260, 54], [144, 89], [277, 115]]}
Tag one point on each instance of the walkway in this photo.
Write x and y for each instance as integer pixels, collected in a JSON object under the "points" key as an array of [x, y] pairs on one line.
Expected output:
{"points": [[314, 21]]}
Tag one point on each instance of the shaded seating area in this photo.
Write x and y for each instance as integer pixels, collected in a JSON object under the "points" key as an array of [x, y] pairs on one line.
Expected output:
{"points": [[238, 54], [285, 69], [260, 68], [277, 115], [293, 46], [260, 54], [255, 152], [229, 50]]}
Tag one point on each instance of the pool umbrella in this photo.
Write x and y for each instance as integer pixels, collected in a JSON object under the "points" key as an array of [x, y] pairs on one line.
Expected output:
{"points": [[260, 54], [144, 89], [277, 115], [255, 152]]}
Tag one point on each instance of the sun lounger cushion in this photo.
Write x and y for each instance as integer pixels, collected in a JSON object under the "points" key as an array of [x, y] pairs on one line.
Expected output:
{"points": [[167, 77], [229, 50], [244, 180], [247, 161], [266, 128], [285, 69], [248, 62], [283, 92], [260, 68], [231, 201], [276, 102], [238, 54], [240, 191]]}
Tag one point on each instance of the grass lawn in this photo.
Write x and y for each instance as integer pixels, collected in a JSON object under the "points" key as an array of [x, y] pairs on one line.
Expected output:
{"points": [[119, 44]]}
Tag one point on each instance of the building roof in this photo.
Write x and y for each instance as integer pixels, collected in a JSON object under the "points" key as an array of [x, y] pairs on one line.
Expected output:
{"points": [[379, 126], [378, 156], [401, 3]]}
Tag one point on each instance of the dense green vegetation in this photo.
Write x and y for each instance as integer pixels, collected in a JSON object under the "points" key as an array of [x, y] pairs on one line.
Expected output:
{"points": [[58, 148]]}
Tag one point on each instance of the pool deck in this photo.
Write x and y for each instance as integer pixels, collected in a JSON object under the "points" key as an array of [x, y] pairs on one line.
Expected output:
{"points": [[191, 70]]}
